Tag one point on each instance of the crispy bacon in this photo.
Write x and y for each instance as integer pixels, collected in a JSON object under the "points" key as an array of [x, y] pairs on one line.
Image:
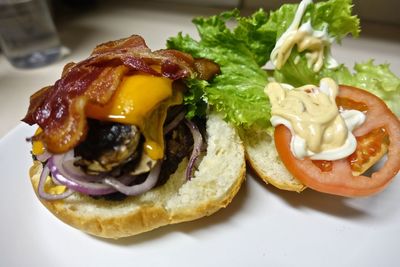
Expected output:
{"points": [[206, 68], [60, 109]]}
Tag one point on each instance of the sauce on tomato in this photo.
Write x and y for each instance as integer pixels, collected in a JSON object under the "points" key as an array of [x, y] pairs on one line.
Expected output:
{"points": [[319, 129], [337, 177]]}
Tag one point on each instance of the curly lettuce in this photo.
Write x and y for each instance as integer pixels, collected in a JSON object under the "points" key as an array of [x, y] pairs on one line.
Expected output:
{"points": [[238, 91], [242, 46], [377, 79], [336, 16]]}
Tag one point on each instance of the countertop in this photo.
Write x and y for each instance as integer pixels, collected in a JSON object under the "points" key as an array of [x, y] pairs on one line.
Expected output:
{"points": [[155, 22]]}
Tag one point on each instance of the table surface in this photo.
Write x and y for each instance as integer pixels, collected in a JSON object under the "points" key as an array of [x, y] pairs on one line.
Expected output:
{"points": [[155, 22]]}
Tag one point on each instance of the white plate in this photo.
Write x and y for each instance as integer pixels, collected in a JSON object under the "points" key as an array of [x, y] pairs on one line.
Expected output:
{"points": [[262, 227]]}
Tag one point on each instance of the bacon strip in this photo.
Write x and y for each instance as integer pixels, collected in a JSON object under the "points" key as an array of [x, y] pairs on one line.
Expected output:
{"points": [[60, 109]]}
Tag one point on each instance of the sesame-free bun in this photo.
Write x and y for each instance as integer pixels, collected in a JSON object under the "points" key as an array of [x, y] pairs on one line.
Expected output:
{"points": [[262, 156], [214, 184]]}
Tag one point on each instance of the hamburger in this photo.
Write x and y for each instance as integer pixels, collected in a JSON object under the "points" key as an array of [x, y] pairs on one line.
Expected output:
{"points": [[116, 154]]}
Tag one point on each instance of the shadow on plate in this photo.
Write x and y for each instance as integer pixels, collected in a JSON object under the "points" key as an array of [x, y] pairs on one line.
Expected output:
{"points": [[328, 204]]}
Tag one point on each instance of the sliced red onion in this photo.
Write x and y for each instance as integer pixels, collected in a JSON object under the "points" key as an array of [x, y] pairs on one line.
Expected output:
{"points": [[88, 188], [170, 126], [67, 168], [44, 156], [43, 194], [134, 190], [55, 181], [65, 165], [197, 146], [64, 172], [88, 185]]}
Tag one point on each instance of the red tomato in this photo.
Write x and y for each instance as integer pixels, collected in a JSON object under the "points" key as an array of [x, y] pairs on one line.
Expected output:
{"points": [[336, 177]]}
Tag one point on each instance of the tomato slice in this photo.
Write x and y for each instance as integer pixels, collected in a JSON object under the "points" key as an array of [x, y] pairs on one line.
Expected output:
{"points": [[337, 178]]}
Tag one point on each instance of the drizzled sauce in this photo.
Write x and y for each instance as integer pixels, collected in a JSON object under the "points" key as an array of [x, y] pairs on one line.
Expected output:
{"points": [[319, 129]]}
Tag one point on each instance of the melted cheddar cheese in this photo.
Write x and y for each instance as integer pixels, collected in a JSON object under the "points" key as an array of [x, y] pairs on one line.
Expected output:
{"points": [[37, 146], [51, 188], [141, 100]]}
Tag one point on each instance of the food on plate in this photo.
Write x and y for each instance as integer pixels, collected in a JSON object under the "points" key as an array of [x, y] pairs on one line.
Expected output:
{"points": [[308, 121], [118, 150], [338, 169]]}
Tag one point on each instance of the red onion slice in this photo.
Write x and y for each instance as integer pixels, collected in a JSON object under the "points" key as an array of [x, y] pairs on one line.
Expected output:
{"points": [[65, 164], [43, 194], [134, 190], [63, 172], [88, 188], [43, 157], [170, 126], [197, 146]]}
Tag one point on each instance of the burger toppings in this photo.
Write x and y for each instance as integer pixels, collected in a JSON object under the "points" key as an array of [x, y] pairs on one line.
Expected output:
{"points": [[319, 129], [307, 39], [69, 177], [102, 125], [342, 177], [60, 110], [141, 100], [106, 146], [297, 40]]}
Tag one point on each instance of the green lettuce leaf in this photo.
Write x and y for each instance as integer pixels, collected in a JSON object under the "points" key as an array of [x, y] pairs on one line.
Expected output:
{"points": [[238, 91], [256, 34], [333, 14], [193, 99], [336, 16], [377, 79], [297, 72], [242, 50]]}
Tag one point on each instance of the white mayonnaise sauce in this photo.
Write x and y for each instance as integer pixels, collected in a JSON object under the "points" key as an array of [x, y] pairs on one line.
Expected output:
{"points": [[315, 43], [319, 129]]}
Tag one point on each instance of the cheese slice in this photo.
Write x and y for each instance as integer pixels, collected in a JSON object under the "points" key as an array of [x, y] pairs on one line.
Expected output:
{"points": [[37, 146], [142, 100]]}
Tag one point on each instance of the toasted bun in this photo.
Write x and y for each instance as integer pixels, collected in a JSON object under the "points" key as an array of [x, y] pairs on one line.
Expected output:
{"points": [[265, 161], [215, 183]]}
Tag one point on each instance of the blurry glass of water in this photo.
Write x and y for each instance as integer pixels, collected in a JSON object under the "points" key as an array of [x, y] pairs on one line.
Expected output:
{"points": [[28, 37]]}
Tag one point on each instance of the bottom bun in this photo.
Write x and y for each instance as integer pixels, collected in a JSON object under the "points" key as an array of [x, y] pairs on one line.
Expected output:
{"points": [[217, 180], [264, 159]]}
